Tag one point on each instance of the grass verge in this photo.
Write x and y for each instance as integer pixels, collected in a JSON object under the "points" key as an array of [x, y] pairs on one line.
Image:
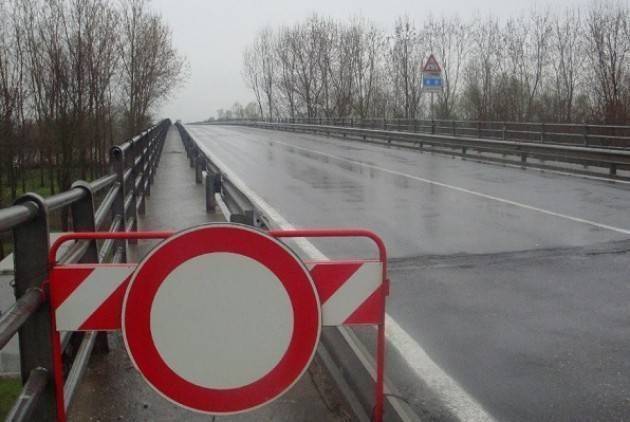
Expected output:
{"points": [[10, 388]]}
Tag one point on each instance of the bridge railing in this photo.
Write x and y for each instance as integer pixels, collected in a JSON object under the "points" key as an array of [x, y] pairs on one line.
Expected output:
{"points": [[239, 207], [577, 159], [121, 196], [576, 134]]}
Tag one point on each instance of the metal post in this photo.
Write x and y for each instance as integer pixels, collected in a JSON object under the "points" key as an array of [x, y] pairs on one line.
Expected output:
{"points": [[31, 240], [246, 218], [199, 164], [117, 156], [503, 132], [585, 135], [211, 181], [145, 168], [83, 221], [542, 133], [432, 127], [132, 211], [193, 157], [454, 128]]}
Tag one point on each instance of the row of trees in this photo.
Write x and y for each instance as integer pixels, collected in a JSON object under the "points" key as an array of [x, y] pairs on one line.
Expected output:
{"points": [[250, 111], [569, 66], [76, 77]]}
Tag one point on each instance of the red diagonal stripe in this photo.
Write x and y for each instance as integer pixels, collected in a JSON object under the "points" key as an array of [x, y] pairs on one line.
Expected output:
{"points": [[108, 315], [371, 311], [64, 281], [330, 276]]}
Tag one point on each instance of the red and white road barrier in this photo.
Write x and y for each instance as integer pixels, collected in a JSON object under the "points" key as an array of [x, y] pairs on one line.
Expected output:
{"points": [[220, 318]]}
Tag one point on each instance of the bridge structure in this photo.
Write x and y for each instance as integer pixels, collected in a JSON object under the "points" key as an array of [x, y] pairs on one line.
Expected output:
{"points": [[508, 263]]}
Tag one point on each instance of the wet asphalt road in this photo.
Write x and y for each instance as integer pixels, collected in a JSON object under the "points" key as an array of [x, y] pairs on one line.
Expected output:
{"points": [[514, 281]]}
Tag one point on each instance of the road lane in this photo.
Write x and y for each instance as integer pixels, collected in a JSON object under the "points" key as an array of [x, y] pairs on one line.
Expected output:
{"points": [[317, 181], [315, 189]]}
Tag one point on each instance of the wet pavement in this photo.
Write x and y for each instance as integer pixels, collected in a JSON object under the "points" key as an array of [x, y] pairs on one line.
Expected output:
{"points": [[515, 282], [112, 389]]}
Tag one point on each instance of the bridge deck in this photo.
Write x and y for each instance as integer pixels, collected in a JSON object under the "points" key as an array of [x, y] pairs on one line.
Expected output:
{"points": [[509, 286], [113, 390]]}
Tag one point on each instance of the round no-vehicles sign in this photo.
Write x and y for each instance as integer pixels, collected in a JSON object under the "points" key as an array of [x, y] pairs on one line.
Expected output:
{"points": [[221, 318]]}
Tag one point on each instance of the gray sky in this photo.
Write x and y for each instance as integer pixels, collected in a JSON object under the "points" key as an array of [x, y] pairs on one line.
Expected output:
{"points": [[213, 34]]}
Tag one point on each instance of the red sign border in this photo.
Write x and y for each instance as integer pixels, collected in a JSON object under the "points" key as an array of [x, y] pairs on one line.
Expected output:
{"points": [[434, 60], [287, 266]]}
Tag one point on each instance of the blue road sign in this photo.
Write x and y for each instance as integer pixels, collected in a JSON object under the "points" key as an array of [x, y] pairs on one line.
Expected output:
{"points": [[432, 82]]}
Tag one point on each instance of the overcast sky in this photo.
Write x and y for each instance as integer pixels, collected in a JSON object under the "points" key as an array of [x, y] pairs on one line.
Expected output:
{"points": [[212, 35]]}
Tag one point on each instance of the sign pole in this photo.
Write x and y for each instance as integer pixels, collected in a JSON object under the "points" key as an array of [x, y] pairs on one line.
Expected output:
{"points": [[432, 80]]}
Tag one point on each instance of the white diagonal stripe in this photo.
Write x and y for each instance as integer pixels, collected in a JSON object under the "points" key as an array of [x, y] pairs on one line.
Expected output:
{"points": [[351, 295], [90, 294]]}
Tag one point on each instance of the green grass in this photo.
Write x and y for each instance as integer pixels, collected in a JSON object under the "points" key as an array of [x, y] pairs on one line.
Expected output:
{"points": [[9, 391], [32, 182]]}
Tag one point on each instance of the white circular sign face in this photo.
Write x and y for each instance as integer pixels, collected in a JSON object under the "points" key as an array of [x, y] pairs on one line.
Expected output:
{"points": [[216, 336], [221, 318]]}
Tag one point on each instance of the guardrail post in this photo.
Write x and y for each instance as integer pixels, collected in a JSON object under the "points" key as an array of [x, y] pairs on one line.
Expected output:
{"points": [[432, 127], [31, 240], [83, 221], [154, 153], [246, 218], [193, 157], [199, 162], [586, 135], [523, 158], [132, 211], [145, 154], [117, 156], [613, 170], [478, 129], [160, 140], [542, 133], [503, 131], [454, 128], [211, 189]]}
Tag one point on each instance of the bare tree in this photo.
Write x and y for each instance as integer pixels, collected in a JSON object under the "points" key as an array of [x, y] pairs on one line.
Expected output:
{"points": [[531, 66], [152, 68], [567, 53], [608, 47]]}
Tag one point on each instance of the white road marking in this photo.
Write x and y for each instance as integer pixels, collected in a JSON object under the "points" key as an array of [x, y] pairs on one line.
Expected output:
{"points": [[454, 397], [463, 190]]}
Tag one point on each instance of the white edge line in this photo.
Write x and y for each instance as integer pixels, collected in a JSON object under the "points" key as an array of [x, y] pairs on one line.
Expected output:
{"points": [[453, 396], [464, 190]]}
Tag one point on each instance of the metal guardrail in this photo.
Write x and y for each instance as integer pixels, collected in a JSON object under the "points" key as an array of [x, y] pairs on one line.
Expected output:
{"points": [[123, 193], [510, 152], [585, 134], [241, 209]]}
